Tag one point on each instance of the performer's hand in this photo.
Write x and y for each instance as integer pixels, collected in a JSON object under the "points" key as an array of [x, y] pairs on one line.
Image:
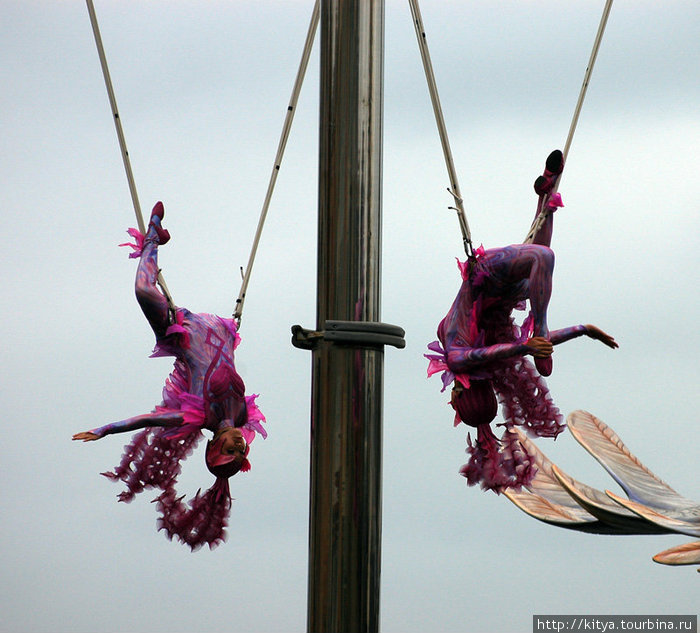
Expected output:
{"points": [[597, 334], [540, 347], [86, 436]]}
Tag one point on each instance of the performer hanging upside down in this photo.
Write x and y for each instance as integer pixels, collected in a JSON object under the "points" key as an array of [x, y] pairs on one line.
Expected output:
{"points": [[483, 351], [204, 391]]}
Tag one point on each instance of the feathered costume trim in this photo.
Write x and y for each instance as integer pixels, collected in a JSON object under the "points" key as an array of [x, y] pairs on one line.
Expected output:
{"points": [[497, 464], [202, 521], [137, 244]]}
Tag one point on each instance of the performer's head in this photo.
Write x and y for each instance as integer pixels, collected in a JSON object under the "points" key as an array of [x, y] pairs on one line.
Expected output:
{"points": [[475, 405], [227, 452]]}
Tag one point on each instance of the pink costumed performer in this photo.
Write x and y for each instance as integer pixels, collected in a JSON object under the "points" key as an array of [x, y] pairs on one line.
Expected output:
{"points": [[204, 392], [483, 352]]}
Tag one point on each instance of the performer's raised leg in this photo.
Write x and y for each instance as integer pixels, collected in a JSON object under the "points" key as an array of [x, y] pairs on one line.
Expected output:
{"points": [[153, 303], [514, 264], [543, 187], [533, 263]]}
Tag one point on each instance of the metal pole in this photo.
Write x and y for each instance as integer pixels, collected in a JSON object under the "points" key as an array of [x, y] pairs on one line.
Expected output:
{"points": [[346, 415]]}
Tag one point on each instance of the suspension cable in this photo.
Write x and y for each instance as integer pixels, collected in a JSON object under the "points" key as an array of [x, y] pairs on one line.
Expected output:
{"points": [[120, 137], [439, 119], [544, 210], [289, 118]]}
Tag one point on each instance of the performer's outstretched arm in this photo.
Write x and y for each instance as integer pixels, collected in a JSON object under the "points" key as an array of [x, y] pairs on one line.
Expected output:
{"points": [[170, 418], [464, 359], [591, 331]]}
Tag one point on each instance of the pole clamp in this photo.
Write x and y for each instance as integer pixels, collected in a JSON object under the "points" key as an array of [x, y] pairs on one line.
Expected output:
{"points": [[351, 334]]}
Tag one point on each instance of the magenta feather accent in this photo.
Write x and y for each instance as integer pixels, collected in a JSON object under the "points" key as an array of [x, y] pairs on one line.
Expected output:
{"points": [[555, 201], [466, 265], [179, 329], [175, 328], [438, 362], [435, 346], [137, 244], [435, 365], [463, 269], [255, 420]]}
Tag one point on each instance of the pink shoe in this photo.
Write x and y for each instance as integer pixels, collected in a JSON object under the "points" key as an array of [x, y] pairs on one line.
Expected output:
{"points": [[158, 210], [555, 163], [156, 217]]}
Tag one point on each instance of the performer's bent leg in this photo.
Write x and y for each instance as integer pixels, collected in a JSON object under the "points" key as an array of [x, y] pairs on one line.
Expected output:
{"points": [[531, 262], [540, 282], [153, 303]]}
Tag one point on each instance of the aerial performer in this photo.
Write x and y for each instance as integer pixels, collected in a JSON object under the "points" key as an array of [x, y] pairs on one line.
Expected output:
{"points": [[483, 353], [204, 392]]}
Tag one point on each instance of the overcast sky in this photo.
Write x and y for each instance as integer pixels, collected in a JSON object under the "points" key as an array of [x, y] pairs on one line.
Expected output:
{"points": [[202, 89]]}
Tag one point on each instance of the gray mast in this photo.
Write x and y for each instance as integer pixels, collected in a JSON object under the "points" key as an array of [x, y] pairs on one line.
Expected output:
{"points": [[348, 356]]}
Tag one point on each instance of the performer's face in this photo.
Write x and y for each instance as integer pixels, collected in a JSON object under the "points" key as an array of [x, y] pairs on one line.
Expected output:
{"points": [[232, 442]]}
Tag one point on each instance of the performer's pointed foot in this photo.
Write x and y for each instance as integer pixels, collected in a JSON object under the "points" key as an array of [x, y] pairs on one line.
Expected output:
{"points": [[555, 163], [544, 366], [553, 167], [158, 210]]}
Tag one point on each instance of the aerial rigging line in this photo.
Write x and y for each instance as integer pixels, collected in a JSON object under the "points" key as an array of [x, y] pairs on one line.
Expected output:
{"points": [[120, 136], [289, 118], [544, 211], [440, 120]]}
